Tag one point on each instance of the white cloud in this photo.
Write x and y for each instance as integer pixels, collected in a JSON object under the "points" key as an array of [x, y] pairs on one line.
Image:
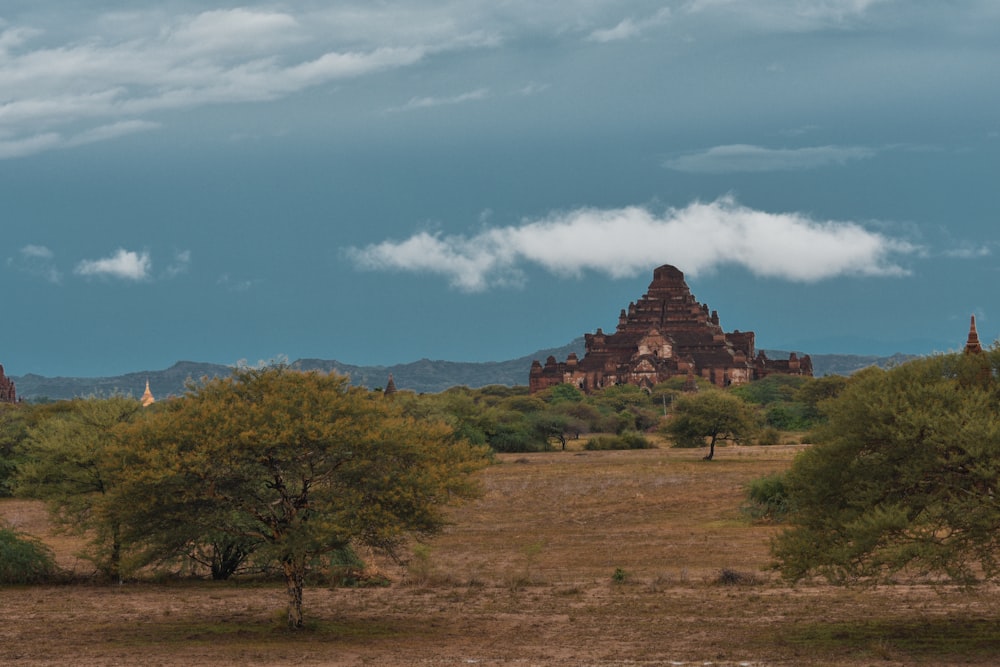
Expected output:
{"points": [[788, 15], [969, 251], [235, 285], [37, 252], [747, 158], [11, 148], [111, 131], [628, 241], [426, 102], [180, 264], [79, 74], [629, 27], [124, 264], [533, 88], [38, 261], [233, 30], [123, 67]]}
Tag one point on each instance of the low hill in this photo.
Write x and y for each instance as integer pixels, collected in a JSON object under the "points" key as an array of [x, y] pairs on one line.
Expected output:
{"points": [[425, 375]]}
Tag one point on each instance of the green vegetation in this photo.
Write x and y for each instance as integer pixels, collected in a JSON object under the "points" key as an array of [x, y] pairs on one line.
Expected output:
{"points": [[711, 414], [905, 477], [767, 498], [24, 559], [284, 472], [627, 440], [70, 462], [290, 465], [509, 420]]}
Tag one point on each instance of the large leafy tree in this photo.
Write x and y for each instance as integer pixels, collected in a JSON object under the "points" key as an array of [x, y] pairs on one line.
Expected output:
{"points": [[713, 415], [907, 476], [301, 463], [69, 461]]}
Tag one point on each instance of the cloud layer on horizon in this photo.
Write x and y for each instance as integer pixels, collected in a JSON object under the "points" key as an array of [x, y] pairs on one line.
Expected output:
{"points": [[627, 241], [76, 78]]}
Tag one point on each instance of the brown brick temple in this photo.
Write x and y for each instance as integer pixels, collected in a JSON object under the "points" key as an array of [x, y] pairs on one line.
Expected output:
{"points": [[665, 334], [7, 392]]}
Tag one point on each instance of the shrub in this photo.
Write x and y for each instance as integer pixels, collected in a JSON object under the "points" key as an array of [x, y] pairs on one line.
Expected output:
{"points": [[24, 559], [516, 437], [633, 440], [787, 416], [727, 577], [767, 498], [627, 440], [768, 436], [346, 567]]}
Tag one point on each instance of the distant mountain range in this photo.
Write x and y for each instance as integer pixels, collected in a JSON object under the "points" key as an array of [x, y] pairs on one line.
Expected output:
{"points": [[421, 376]]}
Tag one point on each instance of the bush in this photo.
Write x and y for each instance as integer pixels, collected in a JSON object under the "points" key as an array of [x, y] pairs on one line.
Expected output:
{"points": [[728, 577], [768, 436], [627, 440], [24, 559], [767, 498], [346, 568], [787, 416], [517, 437]]}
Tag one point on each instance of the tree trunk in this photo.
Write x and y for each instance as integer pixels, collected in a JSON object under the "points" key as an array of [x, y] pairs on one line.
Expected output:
{"points": [[115, 557], [711, 448], [294, 575]]}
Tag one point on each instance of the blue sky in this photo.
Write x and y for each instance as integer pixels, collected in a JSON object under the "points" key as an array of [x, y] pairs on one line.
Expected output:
{"points": [[382, 182]]}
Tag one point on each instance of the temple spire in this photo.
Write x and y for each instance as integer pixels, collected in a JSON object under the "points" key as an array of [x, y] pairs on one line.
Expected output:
{"points": [[390, 387], [147, 396], [973, 346]]}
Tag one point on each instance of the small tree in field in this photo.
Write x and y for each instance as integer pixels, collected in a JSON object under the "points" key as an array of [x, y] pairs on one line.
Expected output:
{"points": [[712, 414], [906, 476], [302, 463], [68, 462]]}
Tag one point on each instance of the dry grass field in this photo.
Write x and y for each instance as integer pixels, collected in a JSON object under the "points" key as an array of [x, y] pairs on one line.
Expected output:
{"points": [[569, 558]]}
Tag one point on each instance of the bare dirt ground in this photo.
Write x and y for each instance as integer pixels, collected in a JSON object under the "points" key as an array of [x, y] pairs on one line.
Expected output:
{"points": [[569, 558]]}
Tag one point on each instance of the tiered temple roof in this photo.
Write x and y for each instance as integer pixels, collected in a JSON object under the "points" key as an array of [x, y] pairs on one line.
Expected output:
{"points": [[664, 334]]}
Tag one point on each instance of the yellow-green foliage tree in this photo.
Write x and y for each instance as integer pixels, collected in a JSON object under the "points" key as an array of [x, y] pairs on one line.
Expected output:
{"points": [[712, 414], [302, 463], [69, 461], [906, 476]]}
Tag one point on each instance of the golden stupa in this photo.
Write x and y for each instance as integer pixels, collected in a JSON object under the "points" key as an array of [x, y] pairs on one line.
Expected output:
{"points": [[147, 396]]}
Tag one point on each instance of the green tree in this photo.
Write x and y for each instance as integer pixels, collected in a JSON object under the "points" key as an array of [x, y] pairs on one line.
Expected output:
{"points": [[16, 422], [548, 425], [812, 394], [13, 432], [70, 462], [24, 559], [301, 462], [562, 393], [712, 414], [906, 475]]}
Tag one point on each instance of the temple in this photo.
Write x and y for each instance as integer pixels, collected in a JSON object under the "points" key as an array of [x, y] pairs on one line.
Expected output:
{"points": [[147, 397], [972, 344], [8, 393], [665, 334]]}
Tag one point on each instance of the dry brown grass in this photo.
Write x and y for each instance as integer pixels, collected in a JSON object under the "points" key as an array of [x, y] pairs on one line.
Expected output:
{"points": [[526, 575]]}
